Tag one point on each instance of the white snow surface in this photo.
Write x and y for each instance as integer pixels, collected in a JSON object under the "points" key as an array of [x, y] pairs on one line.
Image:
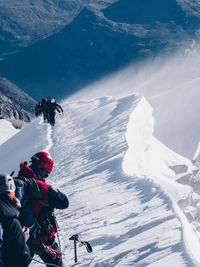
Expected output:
{"points": [[6, 130], [170, 87], [122, 184]]}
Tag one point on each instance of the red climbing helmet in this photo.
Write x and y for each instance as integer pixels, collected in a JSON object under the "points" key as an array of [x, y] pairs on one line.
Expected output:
{"points": [[44, 100], [43, 159]]}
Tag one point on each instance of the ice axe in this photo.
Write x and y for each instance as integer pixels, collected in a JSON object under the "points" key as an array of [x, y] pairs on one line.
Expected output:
{"points": [[76, 238]]}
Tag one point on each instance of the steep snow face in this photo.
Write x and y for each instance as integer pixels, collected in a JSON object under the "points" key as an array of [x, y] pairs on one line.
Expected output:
{"points": [[6, 130], [146, 156], [129, 219]]}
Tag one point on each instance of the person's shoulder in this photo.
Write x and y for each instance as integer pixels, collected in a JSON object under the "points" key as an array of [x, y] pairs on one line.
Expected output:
{"points": [[42, 184]]}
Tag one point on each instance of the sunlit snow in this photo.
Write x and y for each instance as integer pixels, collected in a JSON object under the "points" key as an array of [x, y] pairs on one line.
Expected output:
{"points": [[123, 185], [6, 130], [171, 85]]}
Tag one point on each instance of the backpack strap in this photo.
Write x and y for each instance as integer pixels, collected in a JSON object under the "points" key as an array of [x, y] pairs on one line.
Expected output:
{"points": [[33, 187]]}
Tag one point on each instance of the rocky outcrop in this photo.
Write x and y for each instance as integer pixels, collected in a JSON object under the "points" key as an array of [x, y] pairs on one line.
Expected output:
{"points": [[15, 105]]}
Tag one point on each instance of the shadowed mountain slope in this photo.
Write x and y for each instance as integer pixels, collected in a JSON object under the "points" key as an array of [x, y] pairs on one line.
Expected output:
{"points": [[15, 105]]}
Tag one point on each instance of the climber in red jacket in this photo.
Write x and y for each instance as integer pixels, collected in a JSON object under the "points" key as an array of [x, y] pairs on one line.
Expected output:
{"points": [[38, 203]]}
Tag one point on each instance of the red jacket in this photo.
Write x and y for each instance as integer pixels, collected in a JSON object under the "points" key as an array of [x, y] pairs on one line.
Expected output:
{"points": [[51, 199]]}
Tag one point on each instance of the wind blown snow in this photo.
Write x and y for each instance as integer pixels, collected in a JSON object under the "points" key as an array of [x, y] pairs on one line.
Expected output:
{"points": [[171, 85], [128, 193]]}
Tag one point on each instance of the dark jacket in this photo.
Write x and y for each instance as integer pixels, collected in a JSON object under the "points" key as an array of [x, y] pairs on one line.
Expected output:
{"points": [[43, 205], [52, 107], [15, 252]]}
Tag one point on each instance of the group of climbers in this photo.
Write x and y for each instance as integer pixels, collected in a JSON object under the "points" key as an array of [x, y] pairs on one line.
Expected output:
{"points": [[27, 218], [48, 108], [27, 222]]}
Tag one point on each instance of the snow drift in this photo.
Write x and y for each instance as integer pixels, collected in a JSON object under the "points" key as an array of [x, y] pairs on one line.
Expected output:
{"points": [[127, 191], [7, 130]]}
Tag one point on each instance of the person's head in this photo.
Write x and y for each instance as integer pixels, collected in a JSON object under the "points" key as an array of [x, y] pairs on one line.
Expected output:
{"points": [[44, 100], [53, 100], [7, 185], [42, 164]]}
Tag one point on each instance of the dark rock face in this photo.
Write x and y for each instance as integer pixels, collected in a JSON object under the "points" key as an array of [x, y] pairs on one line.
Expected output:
{"points": [[15, 105]]}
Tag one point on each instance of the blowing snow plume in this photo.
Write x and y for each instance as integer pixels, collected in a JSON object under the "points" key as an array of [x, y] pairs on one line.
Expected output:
{"points": [[124, 198], [171, 85]]}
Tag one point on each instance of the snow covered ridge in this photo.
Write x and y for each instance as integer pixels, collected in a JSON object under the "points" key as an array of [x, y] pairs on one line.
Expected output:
{"points": [[131, 197], [146, 156]]}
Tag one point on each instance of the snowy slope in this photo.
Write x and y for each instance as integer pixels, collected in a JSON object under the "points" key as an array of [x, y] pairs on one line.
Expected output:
{"points": [[6, 130], [124, 198]]}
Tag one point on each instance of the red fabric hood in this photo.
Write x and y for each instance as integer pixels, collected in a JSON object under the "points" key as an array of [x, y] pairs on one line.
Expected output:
{"points": [[28, 172]]}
